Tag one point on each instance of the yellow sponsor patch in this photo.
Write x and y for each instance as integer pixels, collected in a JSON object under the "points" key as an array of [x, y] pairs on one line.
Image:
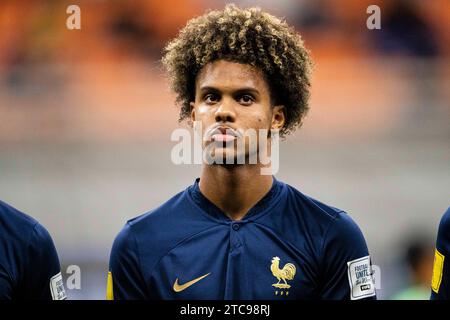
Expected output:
{"points": [[109, 287], [437, 271]]}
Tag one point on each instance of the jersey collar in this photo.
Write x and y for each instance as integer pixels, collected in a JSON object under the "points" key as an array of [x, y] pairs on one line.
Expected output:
{"points": [[212, 210]]}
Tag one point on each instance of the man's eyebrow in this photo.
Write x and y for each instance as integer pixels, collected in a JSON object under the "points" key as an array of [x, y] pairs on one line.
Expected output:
{"points": [[209, 89], [238, 91], [247, 90]]}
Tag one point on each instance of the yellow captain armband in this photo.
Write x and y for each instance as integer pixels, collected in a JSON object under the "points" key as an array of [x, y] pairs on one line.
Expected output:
{"points": [[437, 271], [109, 287]]}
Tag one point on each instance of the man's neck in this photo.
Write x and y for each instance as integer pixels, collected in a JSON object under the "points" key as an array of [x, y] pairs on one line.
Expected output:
{"points": [[234, 189]]}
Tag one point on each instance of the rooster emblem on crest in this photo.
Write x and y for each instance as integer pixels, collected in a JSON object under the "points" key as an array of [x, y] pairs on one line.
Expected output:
{"points": [[287, 273]]}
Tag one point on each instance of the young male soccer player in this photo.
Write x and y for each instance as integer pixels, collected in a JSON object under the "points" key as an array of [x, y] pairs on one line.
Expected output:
{"points": [[440, 283], [235, 233], [29, 264]]}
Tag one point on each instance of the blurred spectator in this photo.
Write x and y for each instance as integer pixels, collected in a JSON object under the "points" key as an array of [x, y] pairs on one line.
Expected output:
{"points": [[131, 31], [405, 31], [419, 259], [311, 16]]}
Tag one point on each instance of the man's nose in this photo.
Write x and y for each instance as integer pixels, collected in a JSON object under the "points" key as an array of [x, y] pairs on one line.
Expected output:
{"points": [[225, 112]]}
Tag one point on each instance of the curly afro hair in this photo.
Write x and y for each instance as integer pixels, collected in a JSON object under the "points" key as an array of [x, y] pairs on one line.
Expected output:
{"points": [[248, 36]]}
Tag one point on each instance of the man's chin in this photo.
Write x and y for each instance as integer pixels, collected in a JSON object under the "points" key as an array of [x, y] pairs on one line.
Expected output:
{"points": [[228, 156]]}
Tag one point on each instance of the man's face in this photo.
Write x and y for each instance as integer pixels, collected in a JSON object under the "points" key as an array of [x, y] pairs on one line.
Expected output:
{"points": [[231, 98]]}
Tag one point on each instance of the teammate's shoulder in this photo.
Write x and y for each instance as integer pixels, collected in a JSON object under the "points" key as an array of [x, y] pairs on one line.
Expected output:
{"points": [[445, 220]]}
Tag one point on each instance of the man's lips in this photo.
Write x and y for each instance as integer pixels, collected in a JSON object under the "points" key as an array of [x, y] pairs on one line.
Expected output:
{"points": [[223, 134], [220, 137]]}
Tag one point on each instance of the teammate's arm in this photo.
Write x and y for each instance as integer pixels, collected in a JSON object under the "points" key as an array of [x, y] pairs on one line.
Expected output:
{"points": [[440, 282]]}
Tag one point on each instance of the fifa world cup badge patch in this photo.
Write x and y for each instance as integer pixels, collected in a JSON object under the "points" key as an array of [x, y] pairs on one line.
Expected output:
{"points": [[57, 287], [438, 266], [360, 278]]}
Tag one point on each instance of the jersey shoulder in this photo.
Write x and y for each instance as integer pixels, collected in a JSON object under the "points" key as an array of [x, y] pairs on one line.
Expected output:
{"points": [[16, 225], [443, 239], [10, 216], [19, 228], [153, 234], [445, 221], [322, 221], [314, 210], [167, 217]]}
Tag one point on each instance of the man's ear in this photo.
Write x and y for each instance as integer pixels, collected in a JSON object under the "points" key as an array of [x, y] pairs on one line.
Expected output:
{"points": [[192, 107], [278, 117]]}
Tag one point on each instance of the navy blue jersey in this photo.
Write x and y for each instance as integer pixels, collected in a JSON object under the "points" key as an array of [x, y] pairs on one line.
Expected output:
{"points": [[288, 246], [29, 265], [440, 283]]}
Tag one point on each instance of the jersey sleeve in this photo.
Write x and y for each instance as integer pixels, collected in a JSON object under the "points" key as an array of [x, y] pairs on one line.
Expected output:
{"points": [[346, 265], [125, 281], [440, 281], [43, 279], [6, 285]]}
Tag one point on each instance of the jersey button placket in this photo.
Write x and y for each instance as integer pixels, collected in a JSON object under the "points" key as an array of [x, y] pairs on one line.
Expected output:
{"points": [[234, 236]]}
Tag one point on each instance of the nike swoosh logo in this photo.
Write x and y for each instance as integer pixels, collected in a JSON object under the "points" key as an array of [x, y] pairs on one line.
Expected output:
{"points": [[180, 287]]}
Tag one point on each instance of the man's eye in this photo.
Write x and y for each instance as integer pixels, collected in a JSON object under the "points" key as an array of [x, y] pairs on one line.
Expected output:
{"points": [[246, 99], [211, 98]]}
